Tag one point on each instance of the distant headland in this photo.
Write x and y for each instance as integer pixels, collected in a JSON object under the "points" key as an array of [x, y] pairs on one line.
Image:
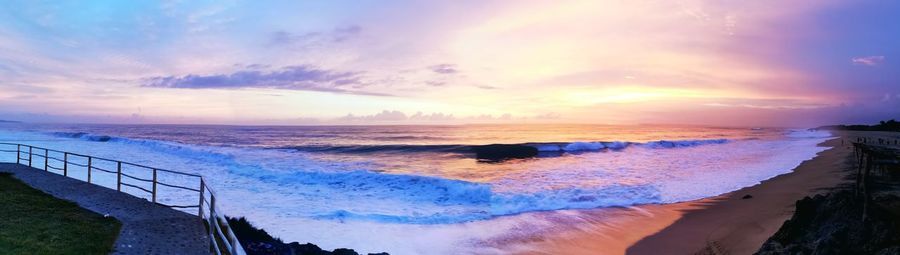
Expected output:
{"points": [[889, 125]]}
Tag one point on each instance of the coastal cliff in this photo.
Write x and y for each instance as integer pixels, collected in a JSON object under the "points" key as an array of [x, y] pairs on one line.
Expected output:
{"points": [[837, 224]]}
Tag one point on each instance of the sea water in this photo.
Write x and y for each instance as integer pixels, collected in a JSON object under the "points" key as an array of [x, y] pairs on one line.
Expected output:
{"points": [[420, 189]]}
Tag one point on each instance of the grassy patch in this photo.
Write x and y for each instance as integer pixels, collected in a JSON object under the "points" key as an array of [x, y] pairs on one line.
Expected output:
{"points": [[33, 222]]}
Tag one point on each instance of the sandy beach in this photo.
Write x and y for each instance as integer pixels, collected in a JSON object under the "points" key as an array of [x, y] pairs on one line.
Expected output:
{"points": [[725, 224]]}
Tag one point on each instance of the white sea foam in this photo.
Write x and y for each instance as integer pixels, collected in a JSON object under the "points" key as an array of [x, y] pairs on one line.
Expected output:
{"points": [[584, 146], [619, 145], [808, 133]]}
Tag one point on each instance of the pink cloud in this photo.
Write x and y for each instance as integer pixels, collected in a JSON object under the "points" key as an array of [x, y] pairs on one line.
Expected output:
{"points": [[868, 61]]}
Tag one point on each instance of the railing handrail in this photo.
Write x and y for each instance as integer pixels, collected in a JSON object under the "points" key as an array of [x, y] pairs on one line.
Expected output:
{"points": [[211, 215], [100, 158]]}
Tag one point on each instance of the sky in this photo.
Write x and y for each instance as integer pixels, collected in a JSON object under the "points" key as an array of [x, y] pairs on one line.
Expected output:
{"points": [[734, 63]]}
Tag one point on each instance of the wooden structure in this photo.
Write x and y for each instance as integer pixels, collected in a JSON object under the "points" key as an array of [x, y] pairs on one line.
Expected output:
{"points": [[872, 158]]}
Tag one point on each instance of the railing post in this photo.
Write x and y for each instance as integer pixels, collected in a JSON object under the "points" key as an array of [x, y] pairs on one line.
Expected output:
{"points": [[154, 185], [65, 164], [18, 152], [29, 155], [234, 244], [119, 175], [89, 169], [200, 210], [212, 212], [46, 159]]}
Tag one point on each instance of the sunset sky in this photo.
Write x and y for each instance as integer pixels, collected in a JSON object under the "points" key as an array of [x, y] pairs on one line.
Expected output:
{"points": [[756, 63]]}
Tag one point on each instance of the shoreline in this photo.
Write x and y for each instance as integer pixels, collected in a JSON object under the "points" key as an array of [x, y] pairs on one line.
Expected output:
{"points": [[724, 224]]}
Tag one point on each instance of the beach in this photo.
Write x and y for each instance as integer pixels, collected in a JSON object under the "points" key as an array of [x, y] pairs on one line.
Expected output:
{"points": [[725, 224]]}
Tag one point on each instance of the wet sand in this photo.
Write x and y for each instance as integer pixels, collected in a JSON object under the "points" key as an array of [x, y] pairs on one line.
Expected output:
{"points": [[726, 224]]}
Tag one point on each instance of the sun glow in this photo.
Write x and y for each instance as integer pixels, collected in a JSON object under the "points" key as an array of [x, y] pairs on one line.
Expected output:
{"points": [[630, 94]]}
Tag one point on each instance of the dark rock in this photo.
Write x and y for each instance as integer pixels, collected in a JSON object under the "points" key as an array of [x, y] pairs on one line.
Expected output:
{"points": [[748, 196], [834, 224], [344, 251], [498, 152], [257, 241], [248, 231]]}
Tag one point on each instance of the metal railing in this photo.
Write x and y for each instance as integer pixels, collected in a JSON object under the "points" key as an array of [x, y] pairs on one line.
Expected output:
{"points": [[221, 236]]}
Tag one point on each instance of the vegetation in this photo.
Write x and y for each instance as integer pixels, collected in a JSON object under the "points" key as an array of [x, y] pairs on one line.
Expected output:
{"points": [[33, 222], [257, 241], [890, 125]]}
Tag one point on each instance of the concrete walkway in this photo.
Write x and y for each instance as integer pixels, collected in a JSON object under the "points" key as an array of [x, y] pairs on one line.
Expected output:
{"points": [[147, 228]]}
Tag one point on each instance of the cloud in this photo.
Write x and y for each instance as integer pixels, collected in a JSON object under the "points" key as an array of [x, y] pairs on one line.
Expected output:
{"points": [[868, 60], [548, 116], [436, 83], [397, 116], [773, 104], [437, 116], [384, 115], [490, 117], [339, 34], [290, 78], [444, 69]]}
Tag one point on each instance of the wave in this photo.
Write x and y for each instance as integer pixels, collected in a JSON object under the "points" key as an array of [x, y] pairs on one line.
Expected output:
{"points": [[378, 148], [488, 204], [490, 152], [808, 133], [287, 183], [83, 136], [171, 148], [540, 147]]}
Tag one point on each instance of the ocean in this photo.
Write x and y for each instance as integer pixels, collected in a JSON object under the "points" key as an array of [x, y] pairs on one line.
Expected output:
{"points": [[422, 189]]}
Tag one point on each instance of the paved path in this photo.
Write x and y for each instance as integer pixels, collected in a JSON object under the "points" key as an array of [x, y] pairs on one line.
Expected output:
{"points": [[147, 228]]}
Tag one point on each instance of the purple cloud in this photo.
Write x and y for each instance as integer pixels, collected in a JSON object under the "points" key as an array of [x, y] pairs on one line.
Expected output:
{"points": [[382, 116], [336, 35], [444, 69], [291, 78], [436, 83], [868, 60]]}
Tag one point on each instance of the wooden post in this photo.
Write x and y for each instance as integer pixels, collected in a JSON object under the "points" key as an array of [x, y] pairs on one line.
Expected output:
{"points": [[200, 210], [859, 171], [119, 175], [89, 169], [46, 159], [154, 186], [29, 155], [212, 212], [866, 191], [18, 152], [65, 164]]}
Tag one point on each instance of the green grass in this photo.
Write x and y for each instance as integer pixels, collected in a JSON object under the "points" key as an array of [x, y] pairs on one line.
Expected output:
{"points": [[33, 222]]}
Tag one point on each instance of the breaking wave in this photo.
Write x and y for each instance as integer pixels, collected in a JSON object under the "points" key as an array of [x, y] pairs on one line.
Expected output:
{"points": [[290, 184]]}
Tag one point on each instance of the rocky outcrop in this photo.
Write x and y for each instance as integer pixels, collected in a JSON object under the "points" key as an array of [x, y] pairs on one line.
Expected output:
{"points": [[499, 152], [257, 241], [835, 224]]}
